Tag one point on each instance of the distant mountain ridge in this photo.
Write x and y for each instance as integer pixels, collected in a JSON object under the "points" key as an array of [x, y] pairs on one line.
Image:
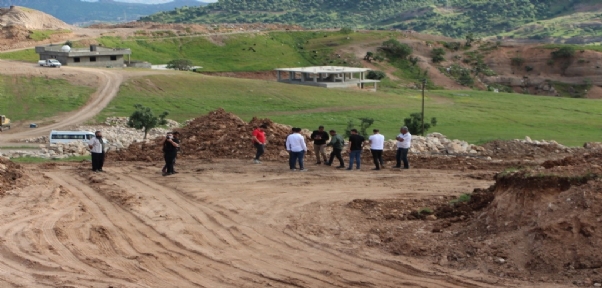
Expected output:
{"points": [[454, 18], [81, 12]]}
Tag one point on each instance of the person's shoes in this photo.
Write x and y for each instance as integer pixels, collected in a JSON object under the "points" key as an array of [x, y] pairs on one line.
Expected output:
{"points": [[100, 170], [175, 172], [95, 171], [406, 167], [328, 164], [164, 170], [255, 161], [293, 169], [349, 169], [375, 169], [318, 163], [303, 170], [340, 167], [396, 167]]}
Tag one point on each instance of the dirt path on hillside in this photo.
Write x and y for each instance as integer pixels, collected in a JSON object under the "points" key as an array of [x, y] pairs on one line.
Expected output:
{"points": [[107, 81], [216, 224]]}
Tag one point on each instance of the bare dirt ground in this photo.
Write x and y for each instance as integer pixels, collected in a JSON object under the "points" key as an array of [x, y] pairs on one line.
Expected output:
{"points": [[218, 223]]}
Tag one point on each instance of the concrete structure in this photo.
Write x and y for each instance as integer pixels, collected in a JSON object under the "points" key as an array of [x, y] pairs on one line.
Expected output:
{"points": [[95, 56], [326, 76]]}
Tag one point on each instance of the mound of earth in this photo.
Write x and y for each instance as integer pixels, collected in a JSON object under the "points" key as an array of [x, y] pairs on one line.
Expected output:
{"points": [[538, 224], [218, 134], [29, 19], [10, 173]]}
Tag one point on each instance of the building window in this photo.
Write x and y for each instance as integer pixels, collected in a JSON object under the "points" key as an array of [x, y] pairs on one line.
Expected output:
{"points": [[93, 59], [113, 58], [76, 60]]}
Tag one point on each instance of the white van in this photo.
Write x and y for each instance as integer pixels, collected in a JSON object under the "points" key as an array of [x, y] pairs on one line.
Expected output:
{"points": [[63, 137]]}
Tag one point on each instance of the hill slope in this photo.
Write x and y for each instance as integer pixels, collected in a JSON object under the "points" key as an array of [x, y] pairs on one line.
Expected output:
{"points": [[80, 12], [453, 18]]}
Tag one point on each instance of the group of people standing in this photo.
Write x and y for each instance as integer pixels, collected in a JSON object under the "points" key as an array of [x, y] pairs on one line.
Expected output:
{"points": [[296, 147]]}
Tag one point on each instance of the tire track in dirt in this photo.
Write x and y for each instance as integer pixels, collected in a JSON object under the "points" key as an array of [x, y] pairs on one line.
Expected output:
{"points": [[275, 249]]}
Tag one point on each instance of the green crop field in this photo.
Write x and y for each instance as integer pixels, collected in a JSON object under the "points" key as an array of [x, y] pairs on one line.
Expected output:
{"points": [[35, 98], [468, 115]]}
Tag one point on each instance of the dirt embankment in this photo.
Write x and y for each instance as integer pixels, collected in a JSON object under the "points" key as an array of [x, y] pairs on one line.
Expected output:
{"points": [[542, 223], [11, 175]]}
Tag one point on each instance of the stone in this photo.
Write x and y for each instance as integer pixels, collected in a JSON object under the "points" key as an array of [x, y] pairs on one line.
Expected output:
{"points": [[528, 139], [431, 217], [500, 260]]}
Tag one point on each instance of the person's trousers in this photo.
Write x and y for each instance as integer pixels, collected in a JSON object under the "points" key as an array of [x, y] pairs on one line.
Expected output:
{"points": [[336, 153], [320, 150], [402, 155], [174, 164], [294, 157], [169, 161], [377, 155], [260, 149], [355, 155], [98, 160]]}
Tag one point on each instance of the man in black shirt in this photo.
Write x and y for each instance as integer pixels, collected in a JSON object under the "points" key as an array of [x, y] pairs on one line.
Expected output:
{"points": [[169, 152], [356, 145], [320, 137]]}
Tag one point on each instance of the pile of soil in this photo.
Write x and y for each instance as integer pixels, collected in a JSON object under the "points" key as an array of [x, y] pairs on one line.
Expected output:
{"points": [[511, 149], [218, 134], [30, 19], [10, 173], [538, 224]]}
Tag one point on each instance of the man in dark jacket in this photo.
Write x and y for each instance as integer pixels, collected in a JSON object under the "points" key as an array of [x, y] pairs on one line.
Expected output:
{"points": [[320, 138], [169, 153], [337, 144]]}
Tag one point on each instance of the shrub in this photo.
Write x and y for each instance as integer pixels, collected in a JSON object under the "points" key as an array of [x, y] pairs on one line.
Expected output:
{"points": [[528, 68], [346, 30], [437, 55], [465, 79], [564, 52], [394, 49], [463, 198], [517, 61], [414, 124], [376, 75]]}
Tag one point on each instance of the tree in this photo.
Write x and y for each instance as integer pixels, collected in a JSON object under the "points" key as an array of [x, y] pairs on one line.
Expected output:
{"points": [[376, 75], [469, 39], [465, 78], [365, 123], [564, 52], [414, 124], [395, 49], [144, 118], [180, 64], [437, 55]]}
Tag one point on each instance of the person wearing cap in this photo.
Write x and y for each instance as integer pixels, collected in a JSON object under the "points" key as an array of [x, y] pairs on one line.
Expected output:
{"points": [[320, 137], [404, 142], [259, 142], [97, 151], [377, 145]]}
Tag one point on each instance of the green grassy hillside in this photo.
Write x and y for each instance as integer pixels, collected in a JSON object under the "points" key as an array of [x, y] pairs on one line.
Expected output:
{"points": [[35, 98], [454, 18], [473, 116]]}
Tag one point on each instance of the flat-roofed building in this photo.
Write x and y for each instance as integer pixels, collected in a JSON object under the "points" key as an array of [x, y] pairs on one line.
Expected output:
{"points": [[94, 56], [326, 76]]}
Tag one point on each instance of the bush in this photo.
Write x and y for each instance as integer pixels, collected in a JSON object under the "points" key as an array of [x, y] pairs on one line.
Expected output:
{"points": [[528, 68], [437, 55], [517, 61], [376, 75], [463, 198], [564, 52], [180, 64], [414, 124], [465, 79], [453, 46], [346, 30], [394, 49]]}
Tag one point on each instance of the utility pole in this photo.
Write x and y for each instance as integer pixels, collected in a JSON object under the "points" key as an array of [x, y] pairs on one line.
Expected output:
{"points": [[423, 84]]}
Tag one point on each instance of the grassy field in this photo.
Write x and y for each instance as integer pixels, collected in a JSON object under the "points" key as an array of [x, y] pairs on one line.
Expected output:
{"points": [[35, 98], [468, 115], [39, 35], [28, 55]]}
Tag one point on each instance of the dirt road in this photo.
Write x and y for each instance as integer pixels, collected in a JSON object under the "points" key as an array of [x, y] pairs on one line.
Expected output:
{"points": [[218, 224], [107, 81]]}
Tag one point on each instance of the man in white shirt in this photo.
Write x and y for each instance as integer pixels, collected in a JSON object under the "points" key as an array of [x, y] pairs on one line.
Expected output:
{"points": [[404, 142], [377, 145], [295, 145], [97, 151]]}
